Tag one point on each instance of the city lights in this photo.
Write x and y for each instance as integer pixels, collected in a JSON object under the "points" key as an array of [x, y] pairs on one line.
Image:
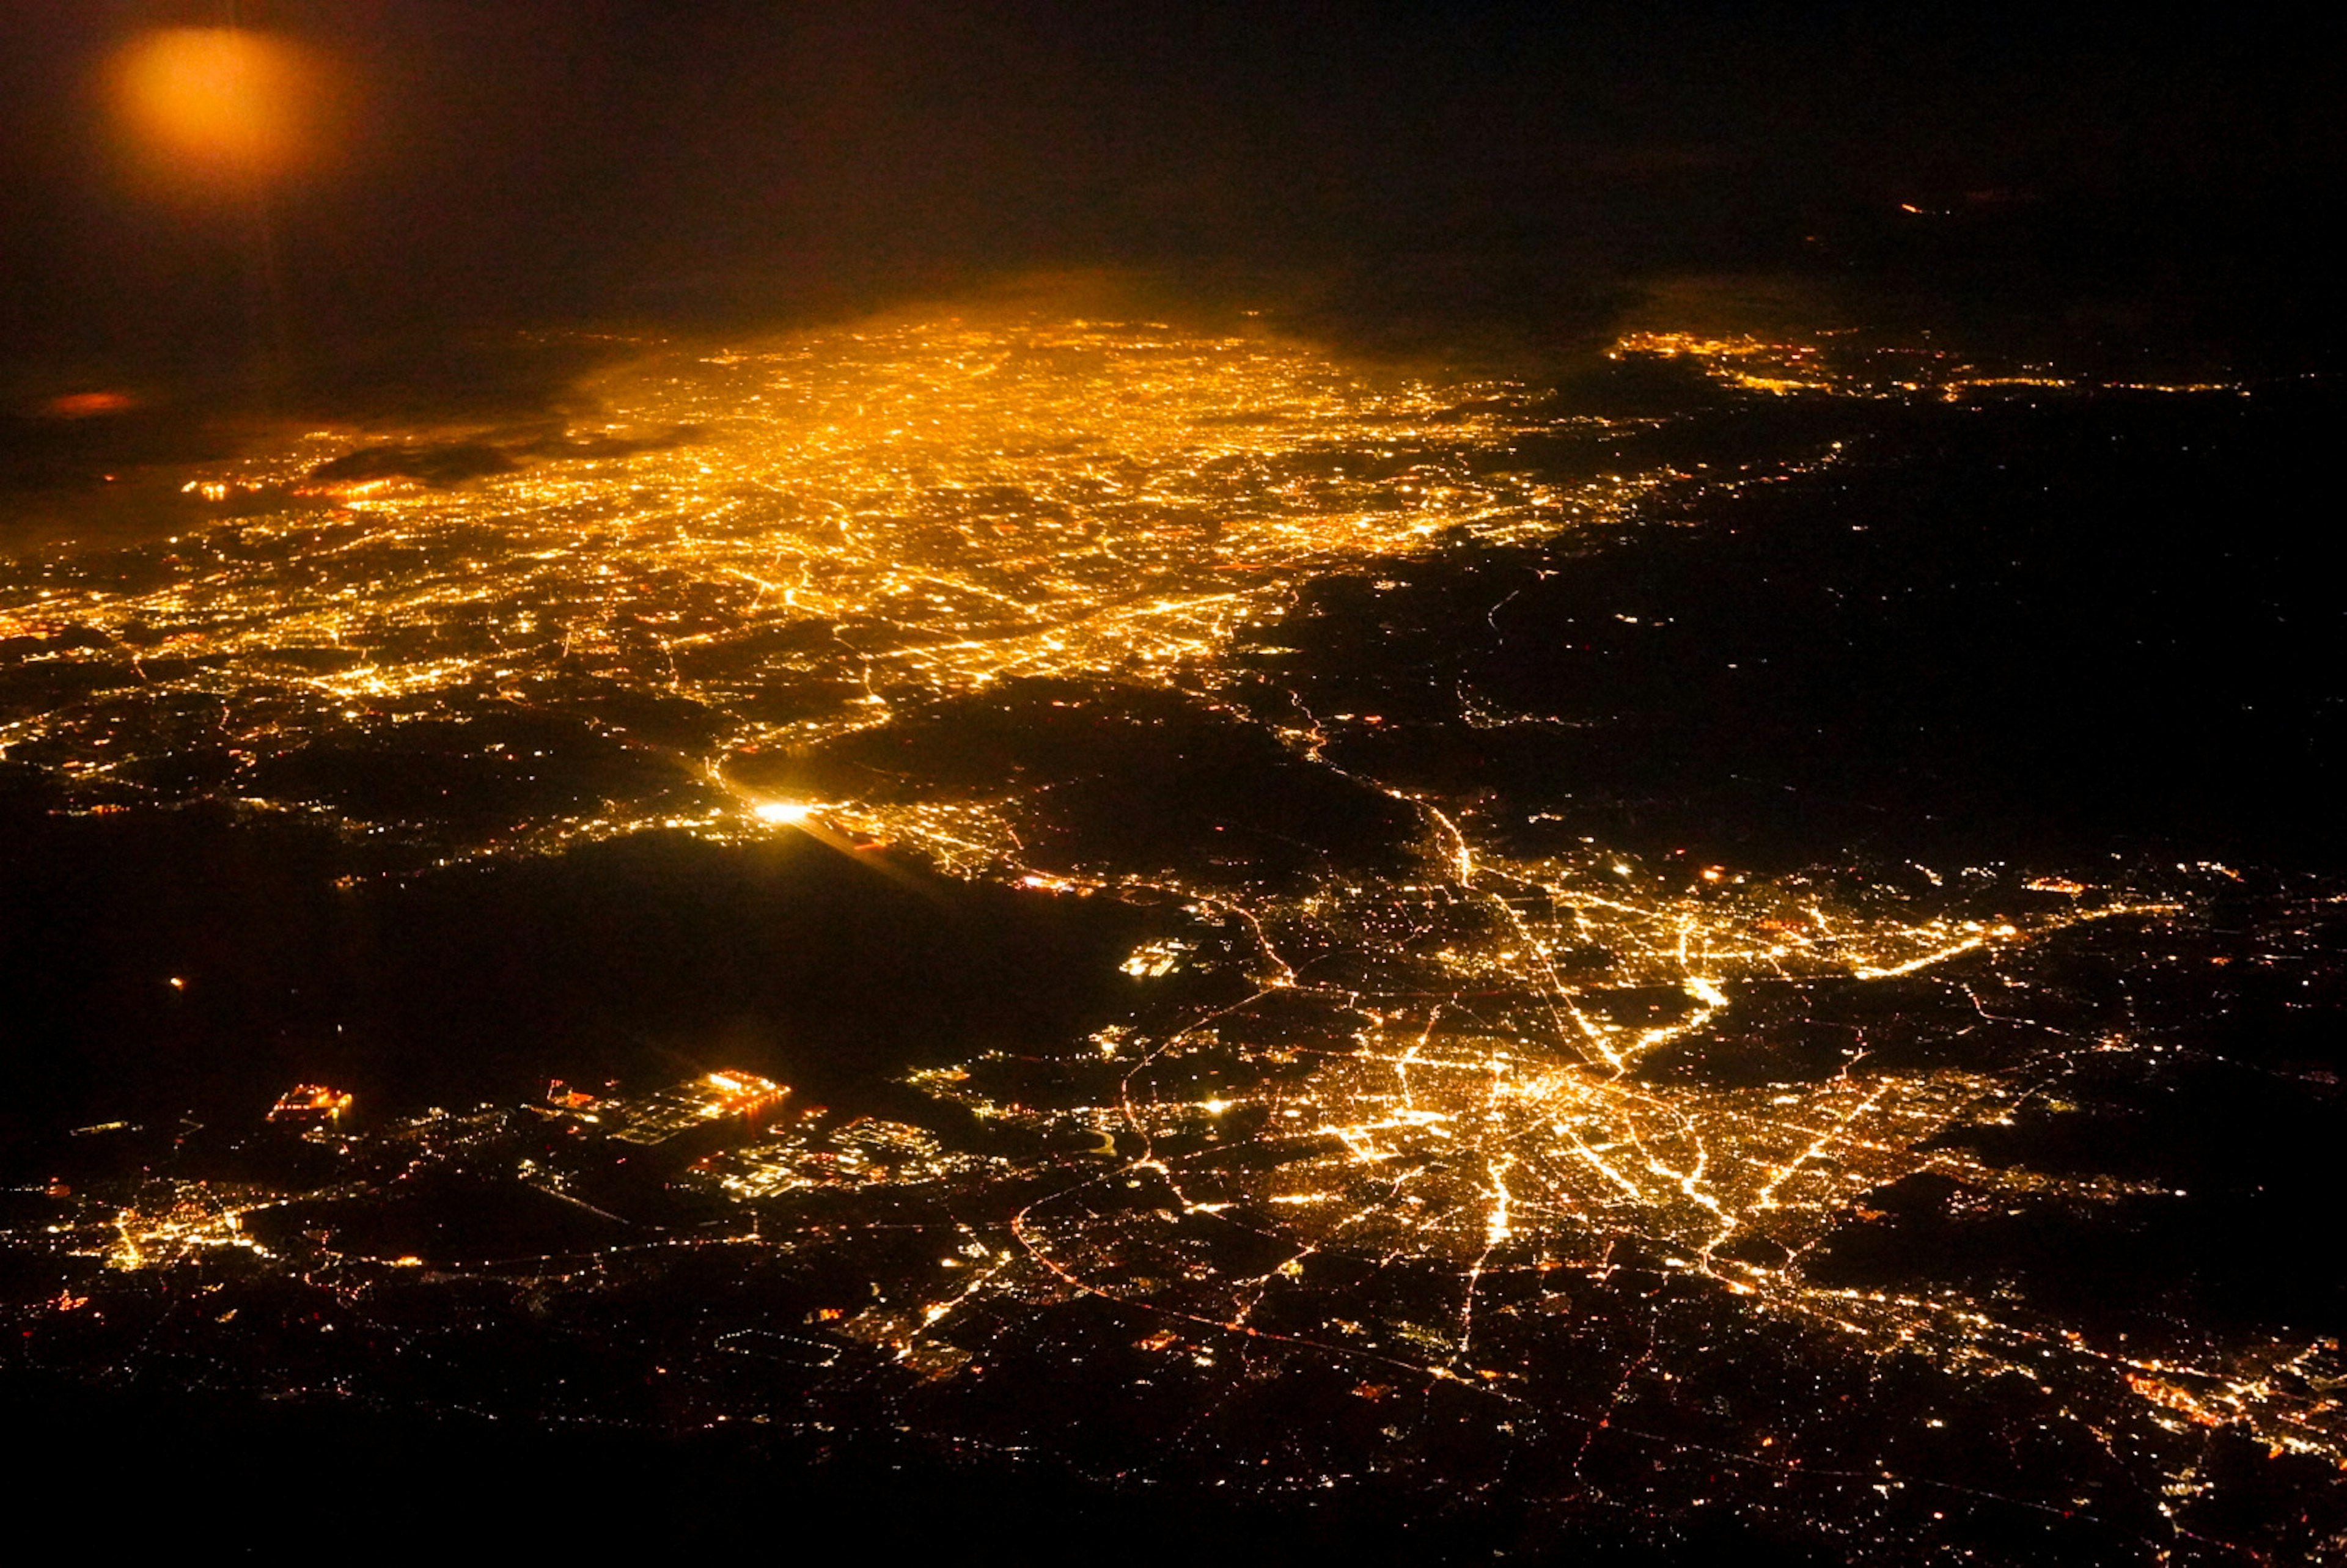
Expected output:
{"points": [[1417, 1116]]}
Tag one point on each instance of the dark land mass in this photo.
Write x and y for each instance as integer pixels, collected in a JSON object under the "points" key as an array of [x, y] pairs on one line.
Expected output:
{"points": [[408, 1480], [2048, 632], [1119, 777], [645, 960]]}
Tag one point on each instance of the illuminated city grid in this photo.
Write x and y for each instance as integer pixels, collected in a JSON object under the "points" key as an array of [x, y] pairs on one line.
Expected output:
{"points": [[790, 543], [835, 523]]}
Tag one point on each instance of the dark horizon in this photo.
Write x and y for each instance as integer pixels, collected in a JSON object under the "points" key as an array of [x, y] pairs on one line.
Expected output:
{"points": [[1408, 179]]}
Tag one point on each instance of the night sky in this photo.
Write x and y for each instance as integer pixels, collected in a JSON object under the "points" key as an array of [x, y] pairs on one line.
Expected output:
{"points": [[1406, 176]]}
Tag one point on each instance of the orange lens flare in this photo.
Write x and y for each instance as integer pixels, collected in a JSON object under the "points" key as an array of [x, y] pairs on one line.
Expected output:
{"points": [[205, 104]]}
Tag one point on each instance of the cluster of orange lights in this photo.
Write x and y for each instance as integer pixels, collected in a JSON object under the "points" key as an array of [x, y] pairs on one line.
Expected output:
{"points": [[310, 1103]]}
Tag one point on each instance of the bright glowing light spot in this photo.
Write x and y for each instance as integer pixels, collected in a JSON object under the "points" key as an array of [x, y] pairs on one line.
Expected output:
{"points": [[790, 812], [212, 102], [1216, 1107], [1705, 991]]}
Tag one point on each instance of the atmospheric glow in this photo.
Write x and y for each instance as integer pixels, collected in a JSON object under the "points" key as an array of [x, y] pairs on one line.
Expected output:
{"points": [[210, 104]]}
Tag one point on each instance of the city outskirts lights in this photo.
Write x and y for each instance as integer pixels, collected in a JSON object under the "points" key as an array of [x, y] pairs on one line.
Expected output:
{"points": [[310, 1103]]}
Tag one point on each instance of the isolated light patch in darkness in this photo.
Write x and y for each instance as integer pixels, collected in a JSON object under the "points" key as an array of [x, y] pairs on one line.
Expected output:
{"points": [[206, 106], [88, 405]]}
